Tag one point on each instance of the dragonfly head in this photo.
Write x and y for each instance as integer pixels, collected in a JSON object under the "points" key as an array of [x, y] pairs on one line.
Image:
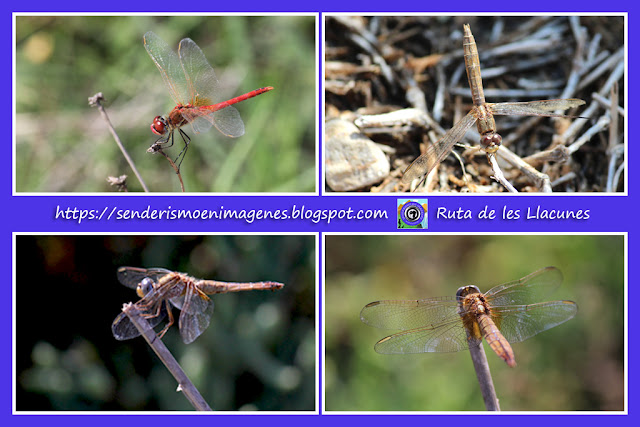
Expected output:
{"points": [[144, 287], [159, 126], [467, 290], [491, 142]]}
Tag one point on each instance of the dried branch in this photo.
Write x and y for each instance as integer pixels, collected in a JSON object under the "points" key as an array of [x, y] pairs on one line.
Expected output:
{"points": [[172, 163], [540, 179], [480, 364], [497, 173], [96, 101], [184, 383]]}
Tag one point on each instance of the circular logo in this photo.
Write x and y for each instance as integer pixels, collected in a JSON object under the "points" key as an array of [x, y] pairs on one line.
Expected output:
{"points": [[412, 213]]}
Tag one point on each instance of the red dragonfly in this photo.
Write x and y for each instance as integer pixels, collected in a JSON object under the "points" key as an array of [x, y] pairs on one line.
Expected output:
{"points": [[160, 289], [193, 85], [482, 113], [506, 313]]}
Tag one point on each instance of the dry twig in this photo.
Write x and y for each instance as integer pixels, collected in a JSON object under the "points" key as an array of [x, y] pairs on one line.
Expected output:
{"points": [[96, 101], [184, 383]]}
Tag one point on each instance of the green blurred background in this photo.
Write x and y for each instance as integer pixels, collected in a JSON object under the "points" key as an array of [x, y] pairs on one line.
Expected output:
{"points": [[62, 144], [258, 353], [578, 365]]}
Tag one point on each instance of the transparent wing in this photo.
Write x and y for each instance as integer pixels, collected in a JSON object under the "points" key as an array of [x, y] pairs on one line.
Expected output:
{"points": [[226, 120], [519, 323], [530, 289], [202, 83], [123, 329], [517, 311], [196, 313], [535, 108], [429, 325], [203, 87], [169, 66], [445, 337], [438, 151], [200, 121], [409, 314]]}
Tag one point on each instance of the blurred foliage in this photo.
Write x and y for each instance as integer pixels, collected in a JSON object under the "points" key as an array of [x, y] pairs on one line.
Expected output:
{"points": [[62, 144], [258, 353], [578, 365]]}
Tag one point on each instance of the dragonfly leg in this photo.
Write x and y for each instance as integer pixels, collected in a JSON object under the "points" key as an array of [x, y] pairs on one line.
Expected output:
{"points": [[171, 320], [165, 141], [149, 310], [146, 306], [183, 153]]}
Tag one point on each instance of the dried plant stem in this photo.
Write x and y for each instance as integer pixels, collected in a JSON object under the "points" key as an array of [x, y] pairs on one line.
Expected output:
{"points": [[175, 168], [481, 366], [541, 180], [184, 384], [96, 101], [498, 175]]}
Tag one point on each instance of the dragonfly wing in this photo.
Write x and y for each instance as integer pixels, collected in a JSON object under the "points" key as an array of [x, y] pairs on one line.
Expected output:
{"points": [[178, 301], [528, 290], [429, 325], [410, 314], [123, 329], [203, 87], [228, 122], [195, 317], [438, 151], [169, 66], [518, 323], [199, 122], [444, 338], [535, 108], [202, 83]]}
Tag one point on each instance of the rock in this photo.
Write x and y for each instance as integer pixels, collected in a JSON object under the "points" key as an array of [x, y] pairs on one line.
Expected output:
{"points": [[352, 161]]}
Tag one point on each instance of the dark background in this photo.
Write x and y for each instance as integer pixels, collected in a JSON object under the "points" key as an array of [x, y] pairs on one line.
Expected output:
{"points": [[258, 353]]}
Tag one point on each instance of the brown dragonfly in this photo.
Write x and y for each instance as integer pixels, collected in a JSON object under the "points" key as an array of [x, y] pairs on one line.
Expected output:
{"points": [[482, 113], [507, 313], [160, 288]]}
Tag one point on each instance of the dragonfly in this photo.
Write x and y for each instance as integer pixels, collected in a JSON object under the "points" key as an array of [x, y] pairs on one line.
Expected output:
{"points": [[194, 87], [160, 289], [482, 114], [507, 313]]}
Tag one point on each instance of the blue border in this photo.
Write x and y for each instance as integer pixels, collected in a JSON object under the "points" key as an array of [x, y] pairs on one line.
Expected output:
{"points": [[36, 213]]}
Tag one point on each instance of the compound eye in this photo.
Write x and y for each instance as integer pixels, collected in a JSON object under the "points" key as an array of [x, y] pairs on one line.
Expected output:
{"points": [[159, 125], [467, 290], [144, 287], [491, 142]]}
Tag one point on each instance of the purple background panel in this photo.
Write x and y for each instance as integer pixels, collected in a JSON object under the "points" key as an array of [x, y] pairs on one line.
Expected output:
{"points": [[315, 213]]}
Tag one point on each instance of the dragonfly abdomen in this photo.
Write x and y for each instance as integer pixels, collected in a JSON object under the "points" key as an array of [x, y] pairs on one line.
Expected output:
{"points": [[244, 97], [496, 340], [472, 62]]}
